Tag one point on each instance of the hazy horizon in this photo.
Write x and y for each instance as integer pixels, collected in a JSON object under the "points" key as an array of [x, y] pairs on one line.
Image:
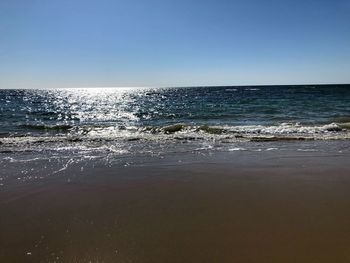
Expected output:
{"points": [[174, 87]]}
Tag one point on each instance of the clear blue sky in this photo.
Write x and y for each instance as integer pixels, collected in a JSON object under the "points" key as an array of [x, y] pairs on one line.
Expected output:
{"points": [[79, 43]]}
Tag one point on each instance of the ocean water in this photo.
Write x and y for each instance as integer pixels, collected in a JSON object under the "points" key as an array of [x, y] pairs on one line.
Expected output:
{"points": [[112, 122]]}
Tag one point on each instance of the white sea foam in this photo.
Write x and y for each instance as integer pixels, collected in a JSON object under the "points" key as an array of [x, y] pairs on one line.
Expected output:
{"points": [[271, 149], [285, 128], [124, 140], [307, 150], [237, 149]]}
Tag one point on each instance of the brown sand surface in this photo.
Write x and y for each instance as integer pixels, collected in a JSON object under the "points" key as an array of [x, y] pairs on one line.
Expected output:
{"points": [[221, 208]]}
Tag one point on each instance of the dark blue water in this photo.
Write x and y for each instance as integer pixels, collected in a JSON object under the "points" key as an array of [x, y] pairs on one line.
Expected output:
{"points": [[118, 119], [25, 112]]}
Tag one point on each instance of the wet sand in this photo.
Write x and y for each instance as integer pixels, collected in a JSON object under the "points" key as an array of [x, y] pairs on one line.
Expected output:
{"points": [[225, 207]]}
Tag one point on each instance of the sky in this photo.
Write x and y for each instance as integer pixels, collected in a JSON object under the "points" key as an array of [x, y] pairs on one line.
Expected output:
{"points": [[161, 43]]}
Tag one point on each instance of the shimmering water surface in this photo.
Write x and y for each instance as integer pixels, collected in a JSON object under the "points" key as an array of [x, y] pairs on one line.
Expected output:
{"points": [[129, 121]]}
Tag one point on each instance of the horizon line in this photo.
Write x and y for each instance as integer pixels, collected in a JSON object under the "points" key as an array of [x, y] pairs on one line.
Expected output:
{"points": [[189, 86]]}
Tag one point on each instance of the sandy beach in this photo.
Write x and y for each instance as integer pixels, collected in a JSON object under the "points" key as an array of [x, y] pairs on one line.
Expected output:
{"points": [[174, 131], [221, 207]]}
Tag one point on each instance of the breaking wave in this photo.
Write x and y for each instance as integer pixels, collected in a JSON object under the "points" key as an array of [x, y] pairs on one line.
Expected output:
{"points": [[181, 131]]}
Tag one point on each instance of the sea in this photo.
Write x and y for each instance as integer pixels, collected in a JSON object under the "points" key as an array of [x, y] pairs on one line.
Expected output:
{"points": [[111, 123]]}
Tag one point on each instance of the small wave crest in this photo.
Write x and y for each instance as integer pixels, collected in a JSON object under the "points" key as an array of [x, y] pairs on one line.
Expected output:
{"points": [[282, 129], [345, 125], [182, 132]]}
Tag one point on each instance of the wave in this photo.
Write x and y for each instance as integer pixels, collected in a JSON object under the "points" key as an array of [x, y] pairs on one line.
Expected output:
{"points": [[284, 128], [182, 132], [345, 125], [181, 128]]}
